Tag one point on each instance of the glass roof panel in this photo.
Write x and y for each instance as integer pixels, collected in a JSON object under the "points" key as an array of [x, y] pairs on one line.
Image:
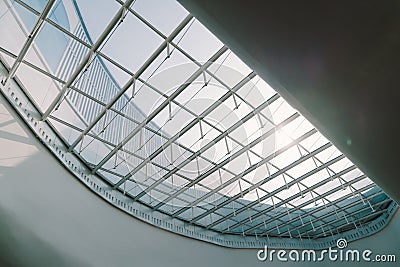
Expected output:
{"points": [[198, 34], [156, 105], [156, 16]]}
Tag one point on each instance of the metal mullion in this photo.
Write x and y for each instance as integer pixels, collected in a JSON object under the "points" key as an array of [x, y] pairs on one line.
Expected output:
{"points": [[159, 166], [54, 78], [122, 67], [76, 38], [206, 187], [146, 83], [186, 109], [66, 57], [103, 177], [73, 59], [110, 144], [252, 168], [294, 182], [221, 186], [342, 209], [326, 194], [300, 182], [356, 219], [135, 121], [139, 157], [375, 213], [285, 202], [156, 189], [224, 219], [107, 143], [258, 184], [179, 104], [259, 188], [112, 109], [77, 52], [102, 86], [160, 108], [92, 136], [83, 93], [87, 85], [10, 54], [176, 46], [80, 130], [138, 183], [328, 168], [51, 22], [212, 75], [131, 80], [339, 177], [299, 179], [96, 85], [333, 190], [188, 126], [236, 154], [28, 42], [309, 189], [110, 27], [273, 98], [118, 65], [161, 135]]}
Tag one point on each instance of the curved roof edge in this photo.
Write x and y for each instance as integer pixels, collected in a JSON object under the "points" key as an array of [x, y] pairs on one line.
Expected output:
{"points": [[16, 96]]}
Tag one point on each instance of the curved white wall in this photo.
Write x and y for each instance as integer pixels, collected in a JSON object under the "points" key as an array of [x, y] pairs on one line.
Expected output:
{"points": [[48, 218]]}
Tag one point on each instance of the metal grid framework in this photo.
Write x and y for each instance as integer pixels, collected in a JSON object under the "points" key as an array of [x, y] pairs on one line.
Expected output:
{"points": [[301, 186]]}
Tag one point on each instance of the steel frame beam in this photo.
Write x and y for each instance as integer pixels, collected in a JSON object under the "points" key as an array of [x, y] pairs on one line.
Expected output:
{"points": [[118, 18], [302, 192], [310, 213], [112, 109], [260, 183], [161, 106], [299, 193], [355, 219], [126, 151], [115, 64], [126, 70], [20, 58], [102, 104], [289, 184], [28, 42], [333, 190], [376, 213], [233, 156], [338, 175], [244, 173], [132, 80], [207, 146], [342, 209], [183, 131]]}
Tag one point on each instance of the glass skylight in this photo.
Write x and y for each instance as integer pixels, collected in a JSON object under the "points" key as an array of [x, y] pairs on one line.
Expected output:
{"points": [[153, 103]]}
